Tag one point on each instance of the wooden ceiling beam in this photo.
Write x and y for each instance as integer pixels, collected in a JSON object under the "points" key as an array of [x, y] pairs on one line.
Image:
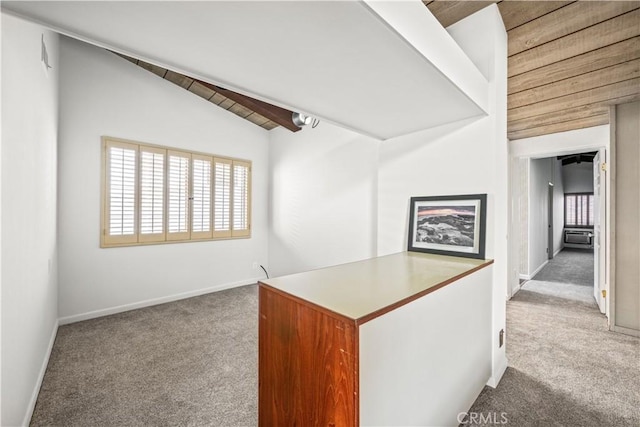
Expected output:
{"points": [[617, 73], [607, 56], [567, 20], [602, 94], [276, 114], [258, 112], [587, 122], [516, 13], [603, 34]]}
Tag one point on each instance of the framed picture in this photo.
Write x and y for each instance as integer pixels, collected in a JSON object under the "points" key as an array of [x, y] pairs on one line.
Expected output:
{"points": [[448, 225]]}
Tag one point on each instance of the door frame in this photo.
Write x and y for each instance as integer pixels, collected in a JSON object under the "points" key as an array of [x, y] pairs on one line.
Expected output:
{"points": [[599, 244], [550, 231], [576, 141]]}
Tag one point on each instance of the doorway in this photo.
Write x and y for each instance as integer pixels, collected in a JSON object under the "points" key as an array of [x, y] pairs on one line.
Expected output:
{"points": [[563, 242], [561, 226]]}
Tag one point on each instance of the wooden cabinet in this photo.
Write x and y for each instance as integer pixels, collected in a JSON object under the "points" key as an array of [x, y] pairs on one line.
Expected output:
{"points": [[310, 328], [308, 366]]}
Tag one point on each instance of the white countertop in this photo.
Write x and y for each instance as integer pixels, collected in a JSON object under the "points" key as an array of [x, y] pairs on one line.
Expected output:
{"points": [[360, 289]]}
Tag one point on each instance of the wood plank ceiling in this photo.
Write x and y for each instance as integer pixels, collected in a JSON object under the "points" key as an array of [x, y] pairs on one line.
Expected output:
{"points": [[568, 60]]}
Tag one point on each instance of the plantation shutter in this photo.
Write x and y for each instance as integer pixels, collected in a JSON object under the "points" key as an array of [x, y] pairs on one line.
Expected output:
{"points": [[241, 208], [120, 225], [570, 210], [222, 197], [201, 203], [578, 210], [152, 194], [178, 195]]}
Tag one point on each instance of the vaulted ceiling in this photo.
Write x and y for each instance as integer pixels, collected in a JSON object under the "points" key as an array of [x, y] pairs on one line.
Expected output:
{"points": [[333, 76], [568, 61]]}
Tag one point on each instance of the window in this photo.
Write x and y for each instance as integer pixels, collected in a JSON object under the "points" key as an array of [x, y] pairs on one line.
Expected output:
{"points": [[578, 210], [156, 194]]}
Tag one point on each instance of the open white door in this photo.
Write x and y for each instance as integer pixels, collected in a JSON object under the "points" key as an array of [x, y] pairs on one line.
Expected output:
{"points": [[599, 222]]}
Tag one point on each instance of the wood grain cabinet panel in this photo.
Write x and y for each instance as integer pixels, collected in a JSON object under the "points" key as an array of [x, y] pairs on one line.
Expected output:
{"points": [[307, 364]]}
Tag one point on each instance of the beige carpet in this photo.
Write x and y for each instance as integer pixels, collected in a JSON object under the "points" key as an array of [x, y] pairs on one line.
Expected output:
{"points": [[194, 363], [565, 367], [187, 363]]}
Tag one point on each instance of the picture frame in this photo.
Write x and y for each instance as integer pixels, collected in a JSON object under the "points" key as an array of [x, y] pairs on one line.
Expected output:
{"points": [[448, 225]]}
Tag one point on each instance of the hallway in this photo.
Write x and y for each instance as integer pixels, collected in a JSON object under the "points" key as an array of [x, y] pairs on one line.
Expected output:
{"points": [[570, 265], [568, 275], [565, 367]]}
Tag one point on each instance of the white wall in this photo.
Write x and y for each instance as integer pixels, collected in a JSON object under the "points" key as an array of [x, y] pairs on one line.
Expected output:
{"points": [[323, 198], [106, 95], [29, 254], [540, 175], [558, 206], [578, 177], [521, 195], [427, 376], [460, 158]]}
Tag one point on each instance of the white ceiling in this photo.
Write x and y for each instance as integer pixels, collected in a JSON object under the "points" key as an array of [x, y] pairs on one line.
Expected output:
{"points": [[380, 68]]}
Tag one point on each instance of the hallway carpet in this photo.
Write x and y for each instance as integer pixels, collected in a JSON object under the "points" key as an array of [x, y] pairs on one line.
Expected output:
{"points": [[565, 367], [562, 290], [573, 266]]}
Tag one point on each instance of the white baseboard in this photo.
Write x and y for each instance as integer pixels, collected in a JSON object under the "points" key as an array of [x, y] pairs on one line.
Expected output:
{"points": [[626, 331], [497, 376], [515, 290], [537, 270], [557, 252], [525, 277], [43, 369], [154, 301]]}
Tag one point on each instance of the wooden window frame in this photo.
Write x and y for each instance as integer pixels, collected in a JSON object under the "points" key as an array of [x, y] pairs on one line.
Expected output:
{"points": [[138, 239]]}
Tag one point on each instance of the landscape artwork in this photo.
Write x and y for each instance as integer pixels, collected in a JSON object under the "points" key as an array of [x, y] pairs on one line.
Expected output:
{"points": [[448, 225]]}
